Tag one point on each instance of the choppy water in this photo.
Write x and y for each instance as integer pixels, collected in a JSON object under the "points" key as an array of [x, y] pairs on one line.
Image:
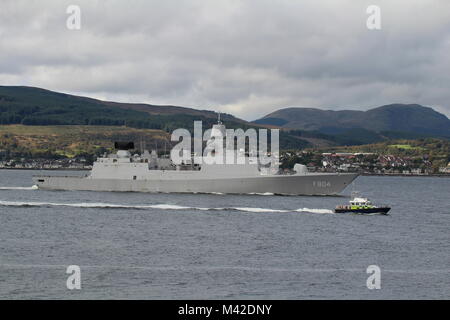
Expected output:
{"points": [[213, 246]]}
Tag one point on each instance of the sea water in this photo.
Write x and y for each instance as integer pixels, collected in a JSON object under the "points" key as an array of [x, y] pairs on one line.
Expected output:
{"points": [[216, 246]]}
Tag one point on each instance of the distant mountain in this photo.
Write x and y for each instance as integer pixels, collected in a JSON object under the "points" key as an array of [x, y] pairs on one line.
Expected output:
{"points": [[411, 120], [39, 107], [36, 106], [304, 127]]}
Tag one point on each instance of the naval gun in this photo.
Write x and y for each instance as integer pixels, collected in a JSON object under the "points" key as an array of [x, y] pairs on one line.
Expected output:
{"points": [[120, 145]]}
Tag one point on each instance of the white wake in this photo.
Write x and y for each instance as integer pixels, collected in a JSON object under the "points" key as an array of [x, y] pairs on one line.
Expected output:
{"points": [[102, 205], [35, 187]]}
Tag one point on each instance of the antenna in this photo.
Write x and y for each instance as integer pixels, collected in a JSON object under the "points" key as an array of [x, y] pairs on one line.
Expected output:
{"points": [[142, 145], [218, 120]]}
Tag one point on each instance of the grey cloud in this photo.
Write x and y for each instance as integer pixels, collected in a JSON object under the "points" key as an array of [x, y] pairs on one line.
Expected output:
{"points": [[244, 57]]}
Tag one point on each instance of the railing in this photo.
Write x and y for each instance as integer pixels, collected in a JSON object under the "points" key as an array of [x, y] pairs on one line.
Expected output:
{"points": [[40, 176]]}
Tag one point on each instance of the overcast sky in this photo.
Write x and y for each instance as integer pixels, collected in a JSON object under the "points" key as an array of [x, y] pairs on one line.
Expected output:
{"points": [[247, 58]]}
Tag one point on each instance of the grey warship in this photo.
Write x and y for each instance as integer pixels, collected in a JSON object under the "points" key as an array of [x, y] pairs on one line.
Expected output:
{"points": [[147, 172]]}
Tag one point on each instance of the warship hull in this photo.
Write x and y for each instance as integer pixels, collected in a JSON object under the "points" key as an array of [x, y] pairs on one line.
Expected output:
{"points": [[308, 184]]}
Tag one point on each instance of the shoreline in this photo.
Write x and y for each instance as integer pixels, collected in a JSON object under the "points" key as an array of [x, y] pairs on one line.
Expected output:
{"points": [[49, 169], [439, 175]]}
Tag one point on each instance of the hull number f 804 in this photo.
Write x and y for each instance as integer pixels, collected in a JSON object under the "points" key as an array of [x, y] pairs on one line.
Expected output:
{"points": [[322, 184]]}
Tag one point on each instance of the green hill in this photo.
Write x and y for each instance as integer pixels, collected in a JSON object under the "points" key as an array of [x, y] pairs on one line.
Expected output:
{"points": [[35, 106], [18, 141], [39, 107], [301, 127]]}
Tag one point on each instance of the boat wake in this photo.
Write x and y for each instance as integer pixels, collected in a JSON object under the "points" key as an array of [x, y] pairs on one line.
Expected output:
{"points": [[101, 205], [35, 187], [321, 211], [262, 194]]}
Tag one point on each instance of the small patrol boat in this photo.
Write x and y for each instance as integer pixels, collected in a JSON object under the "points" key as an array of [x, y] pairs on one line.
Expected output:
{"points": [[361, 205]]}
